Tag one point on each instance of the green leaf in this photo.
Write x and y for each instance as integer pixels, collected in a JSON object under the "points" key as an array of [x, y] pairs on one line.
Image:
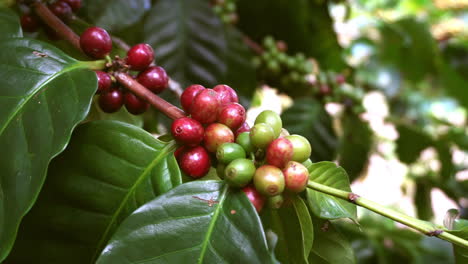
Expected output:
{"points": [[115, 15], [411, 142], [324, 205], [43, 95], [355, 145], [188, 42], [122, 115], [109, 170], [423, 200], [293, 226], [197, 222], [330, 246], [9, 24], [307, 117], [461, 230]]}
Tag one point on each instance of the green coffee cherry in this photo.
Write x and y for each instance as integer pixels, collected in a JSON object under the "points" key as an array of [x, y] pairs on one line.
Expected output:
{"points": [[269, 180], [239, 172], [271, 118], [301, 146], [228, 152], [275, 202], [243, 139], [261, 135]]}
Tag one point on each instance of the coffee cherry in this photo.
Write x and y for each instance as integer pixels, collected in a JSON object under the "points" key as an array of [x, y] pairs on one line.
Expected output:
{"points": [[296, 176], [74, 4], [232, 115], [239, 172], [243, 139], [111, 101], [195, 162], [226, 94], [140, 56], [187, 131], [301, 146], [205, 106], [269, 180], [96, 42], [244, 128], [154, 78], [215, 135], [29, 23], [271, 118], [104, 81], [186, 99], [179, 152], [261, 135], [134, 104], [255, 197], [228, 152], [279, 152], [61, 9], [340, 79], [275, 202]]}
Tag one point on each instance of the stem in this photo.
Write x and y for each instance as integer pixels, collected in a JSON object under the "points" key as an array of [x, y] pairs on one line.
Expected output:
{"points": [[56, 24], [139, 90], [253, 45], [424, 227], [94, 65]]}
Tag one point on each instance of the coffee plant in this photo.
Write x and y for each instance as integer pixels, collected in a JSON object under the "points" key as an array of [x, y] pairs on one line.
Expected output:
{"points": [[99, 163]]}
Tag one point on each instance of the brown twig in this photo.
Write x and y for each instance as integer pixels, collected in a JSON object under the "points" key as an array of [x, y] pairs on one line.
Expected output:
{"points": [[56, 24], [122, 44], [253, 45], [139, 90]]}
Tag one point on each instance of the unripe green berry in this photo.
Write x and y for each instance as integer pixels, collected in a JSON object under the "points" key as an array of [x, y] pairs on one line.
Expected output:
{"points": [[275, 202], [239, 172], [228, 152], [243, 139], [301, 146], [271, 118], [261, 135]]}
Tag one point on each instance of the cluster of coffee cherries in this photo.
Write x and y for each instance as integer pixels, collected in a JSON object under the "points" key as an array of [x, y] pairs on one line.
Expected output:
{"points": [[63, 9], [265, 160], [97, 43], [277, 68], [226, 10]]}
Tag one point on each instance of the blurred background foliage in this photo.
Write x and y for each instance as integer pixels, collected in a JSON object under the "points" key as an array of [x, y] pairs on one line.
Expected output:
{"points": [[379, 86]]}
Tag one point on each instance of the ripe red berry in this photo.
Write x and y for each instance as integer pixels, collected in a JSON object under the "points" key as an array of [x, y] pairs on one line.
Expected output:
{"points": [[243, 128], [61, 9], [279, 152], [134, 104], [215, 135], [179, 152], [188, 95], [140, 56], [255, 197], [111, 101], [340, 79], [269, 180], [104, 81], [205, 106], [187, 131], [74, 4], [96, 42], [154, 78], [296, 176], [195, 162], [29, 23], [232, 115], [226, 94]]}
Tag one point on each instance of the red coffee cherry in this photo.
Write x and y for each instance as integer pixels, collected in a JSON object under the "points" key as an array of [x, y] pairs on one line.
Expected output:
{"points": [[186, 99], [226, 94], [215, 135], [111, 101], [279, 152], [187, 131], [140, 56], [243, 128], [179, 152], [205, 106], [104, 81], [269, 180], [74, 4], [195, 162], [96, 42], [296, 176], [61, 9], [29, 23], [154, 78], [232, 115], [134, 104], [255, 197]]}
